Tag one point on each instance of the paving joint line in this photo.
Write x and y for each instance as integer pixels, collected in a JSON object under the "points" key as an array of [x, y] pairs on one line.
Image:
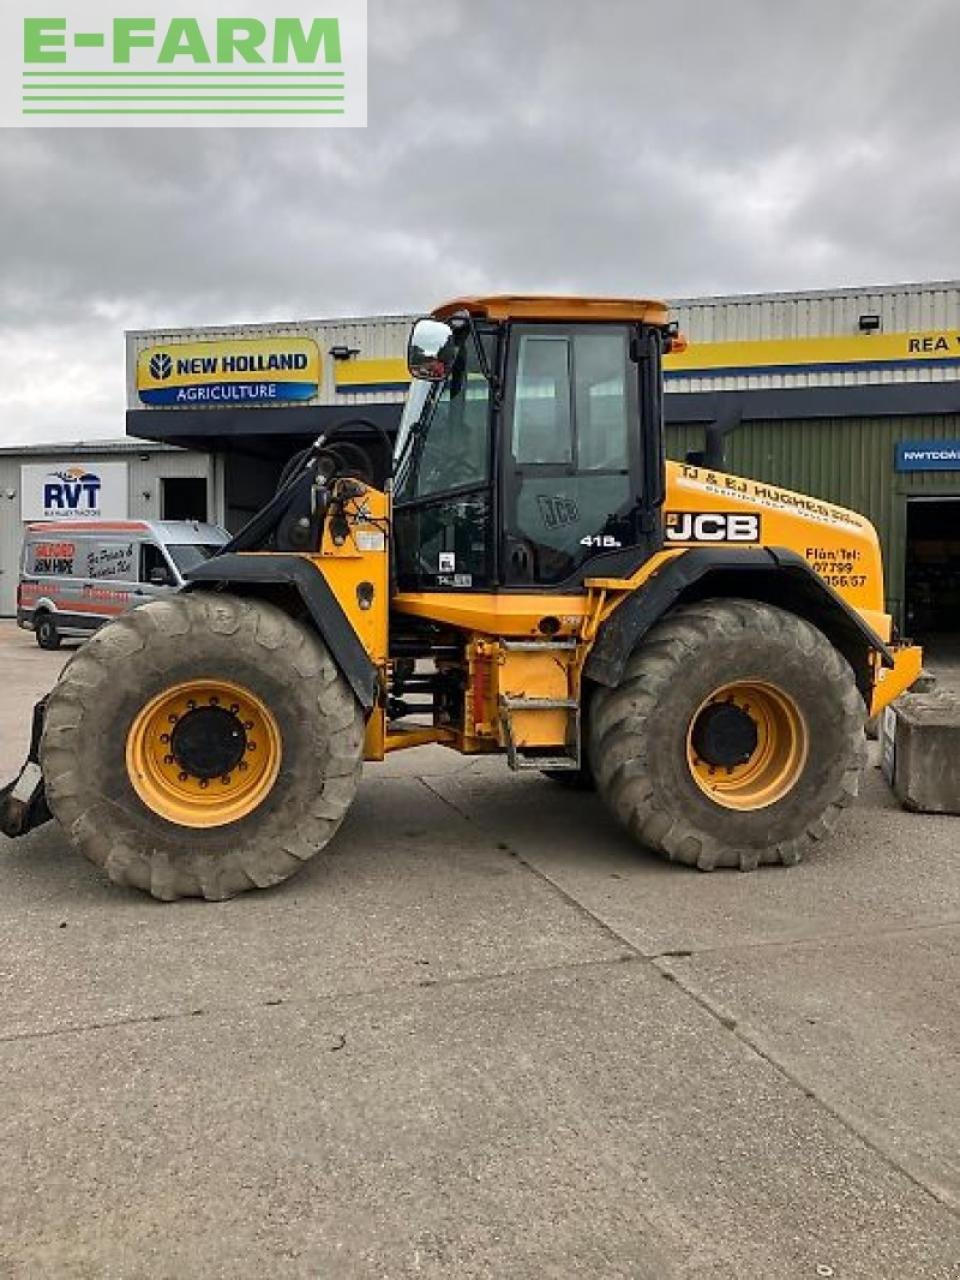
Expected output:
{"points": [[725, 1022], [813, 940], [602, 925], [732, 1025], [317, 1001]]}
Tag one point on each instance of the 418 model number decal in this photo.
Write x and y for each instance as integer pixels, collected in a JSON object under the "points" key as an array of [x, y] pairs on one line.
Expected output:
{"points": [[712, 526]]}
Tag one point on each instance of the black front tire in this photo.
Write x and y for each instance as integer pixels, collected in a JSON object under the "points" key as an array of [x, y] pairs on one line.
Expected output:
{"points": [[191, 637], [640, 735]]}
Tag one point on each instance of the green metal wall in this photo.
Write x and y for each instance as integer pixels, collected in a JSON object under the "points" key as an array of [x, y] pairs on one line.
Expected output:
{"points": [[844, 460]]}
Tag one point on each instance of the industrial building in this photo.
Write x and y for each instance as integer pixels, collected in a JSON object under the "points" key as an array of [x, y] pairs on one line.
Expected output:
{"points": [[852, 395], [107, 480]]}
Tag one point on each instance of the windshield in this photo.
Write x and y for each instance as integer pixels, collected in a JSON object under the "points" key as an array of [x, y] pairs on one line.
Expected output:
{"points": [[187, 555], [413, 408], [444, 437]]}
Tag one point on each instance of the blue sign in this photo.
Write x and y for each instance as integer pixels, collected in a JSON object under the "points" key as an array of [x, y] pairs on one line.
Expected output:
{"points": [[927, 455]]}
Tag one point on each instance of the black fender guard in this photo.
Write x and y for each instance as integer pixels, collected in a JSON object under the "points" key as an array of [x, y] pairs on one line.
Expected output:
{"points": [[775, 575], [249, 572]]}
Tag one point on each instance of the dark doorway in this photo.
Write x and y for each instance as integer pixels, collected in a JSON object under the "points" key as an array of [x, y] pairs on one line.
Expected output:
{"points": [[933, 567], [183, 498]]}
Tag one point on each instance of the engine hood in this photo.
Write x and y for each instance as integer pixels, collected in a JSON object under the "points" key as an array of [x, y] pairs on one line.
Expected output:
{"points": [[705, 507]]}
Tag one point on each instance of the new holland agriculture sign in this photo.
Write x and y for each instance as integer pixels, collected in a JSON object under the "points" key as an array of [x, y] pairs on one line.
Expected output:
{"points": [[169, 64], [234, 371]]}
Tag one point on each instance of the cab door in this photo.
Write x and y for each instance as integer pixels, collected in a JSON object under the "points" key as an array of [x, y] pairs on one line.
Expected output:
{"points": [[443, 502], [575, 498]]}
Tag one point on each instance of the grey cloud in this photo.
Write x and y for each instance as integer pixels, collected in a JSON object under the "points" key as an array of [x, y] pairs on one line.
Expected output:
{"points": [[622, 146]]}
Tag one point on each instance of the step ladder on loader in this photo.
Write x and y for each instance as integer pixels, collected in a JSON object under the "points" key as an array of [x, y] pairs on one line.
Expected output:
{"points": [[538, 704]]}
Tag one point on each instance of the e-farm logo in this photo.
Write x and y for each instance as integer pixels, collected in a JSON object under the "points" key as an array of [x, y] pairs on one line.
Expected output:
{"points": [[280, 62]]}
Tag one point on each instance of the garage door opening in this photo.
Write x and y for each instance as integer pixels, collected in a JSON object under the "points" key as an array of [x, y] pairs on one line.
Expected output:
{"points": [[933, 569], [183, 498]]}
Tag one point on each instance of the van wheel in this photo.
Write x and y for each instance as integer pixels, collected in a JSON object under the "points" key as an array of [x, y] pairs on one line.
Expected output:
{"points": [[45, 629], [201, 746]]}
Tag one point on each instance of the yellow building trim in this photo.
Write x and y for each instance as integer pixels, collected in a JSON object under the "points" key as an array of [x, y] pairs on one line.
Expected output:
{"points": [[715, 359], [798, 354], [370, 375]]}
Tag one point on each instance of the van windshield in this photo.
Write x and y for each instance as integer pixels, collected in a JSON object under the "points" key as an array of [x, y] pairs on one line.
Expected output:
{"points": [[187, 555]]}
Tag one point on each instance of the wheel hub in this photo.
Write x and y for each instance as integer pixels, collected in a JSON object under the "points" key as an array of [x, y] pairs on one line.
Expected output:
{"points": [[724, 735], [204, 753], [208, 742], [747, 745]]}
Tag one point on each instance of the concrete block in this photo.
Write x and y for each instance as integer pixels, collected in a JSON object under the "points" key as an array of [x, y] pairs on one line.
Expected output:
{"points": [[920, 751]]}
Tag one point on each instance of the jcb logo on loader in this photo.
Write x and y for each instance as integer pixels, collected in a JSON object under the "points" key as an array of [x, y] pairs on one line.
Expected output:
{"points": [[712, 526]]}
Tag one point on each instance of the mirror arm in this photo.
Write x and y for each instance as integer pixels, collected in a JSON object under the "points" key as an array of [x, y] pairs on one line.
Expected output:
{"points": [[465, 319]]}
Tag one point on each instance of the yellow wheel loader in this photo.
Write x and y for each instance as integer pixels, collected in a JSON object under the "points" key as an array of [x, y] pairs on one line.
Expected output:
{"points": [[533, 580]]}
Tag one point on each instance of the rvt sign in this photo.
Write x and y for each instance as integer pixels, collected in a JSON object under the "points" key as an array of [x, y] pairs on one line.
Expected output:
{"points": [[73, 491]]}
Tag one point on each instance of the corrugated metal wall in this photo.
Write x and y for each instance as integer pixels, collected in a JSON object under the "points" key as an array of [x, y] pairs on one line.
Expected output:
{"points": [[744, 318], [144, 476], [844, 460], [759, 317], [11, 534]]}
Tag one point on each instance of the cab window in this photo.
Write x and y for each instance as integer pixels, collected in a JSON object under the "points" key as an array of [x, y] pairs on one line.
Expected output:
{"points": [[568, 481], [152, 559], [450, 447]]}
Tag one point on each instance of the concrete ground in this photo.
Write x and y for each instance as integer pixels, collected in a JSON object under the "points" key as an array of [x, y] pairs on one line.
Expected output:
{"points": [[489, 1037]]}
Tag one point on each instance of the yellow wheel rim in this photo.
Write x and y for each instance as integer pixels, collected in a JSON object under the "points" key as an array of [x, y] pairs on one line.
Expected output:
{"points": [[747, 745], [204, 753]]}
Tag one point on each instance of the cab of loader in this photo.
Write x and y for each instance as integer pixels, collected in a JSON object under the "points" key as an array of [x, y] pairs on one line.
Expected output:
{"points": [[530, 451]]}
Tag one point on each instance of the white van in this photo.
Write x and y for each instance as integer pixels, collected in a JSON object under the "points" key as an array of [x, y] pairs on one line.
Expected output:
{"points": [[76, 576]]}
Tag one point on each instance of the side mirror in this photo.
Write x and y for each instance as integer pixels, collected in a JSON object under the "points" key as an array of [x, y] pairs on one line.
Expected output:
{"points": [[160, 578], [432, 350]]}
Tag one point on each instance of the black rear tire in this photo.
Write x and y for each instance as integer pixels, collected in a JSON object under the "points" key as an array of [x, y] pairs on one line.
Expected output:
{"points": [[641, 735], [45, 630], [90, 722]]}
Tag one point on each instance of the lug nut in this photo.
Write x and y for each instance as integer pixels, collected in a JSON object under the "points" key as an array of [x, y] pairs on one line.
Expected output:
{"points": [[204, 783], [183, 776], [168, 759], [226, 779], [191, 703]]}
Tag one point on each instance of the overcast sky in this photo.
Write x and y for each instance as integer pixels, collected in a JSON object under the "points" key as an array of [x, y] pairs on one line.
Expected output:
{"points": [[621, 146]]}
